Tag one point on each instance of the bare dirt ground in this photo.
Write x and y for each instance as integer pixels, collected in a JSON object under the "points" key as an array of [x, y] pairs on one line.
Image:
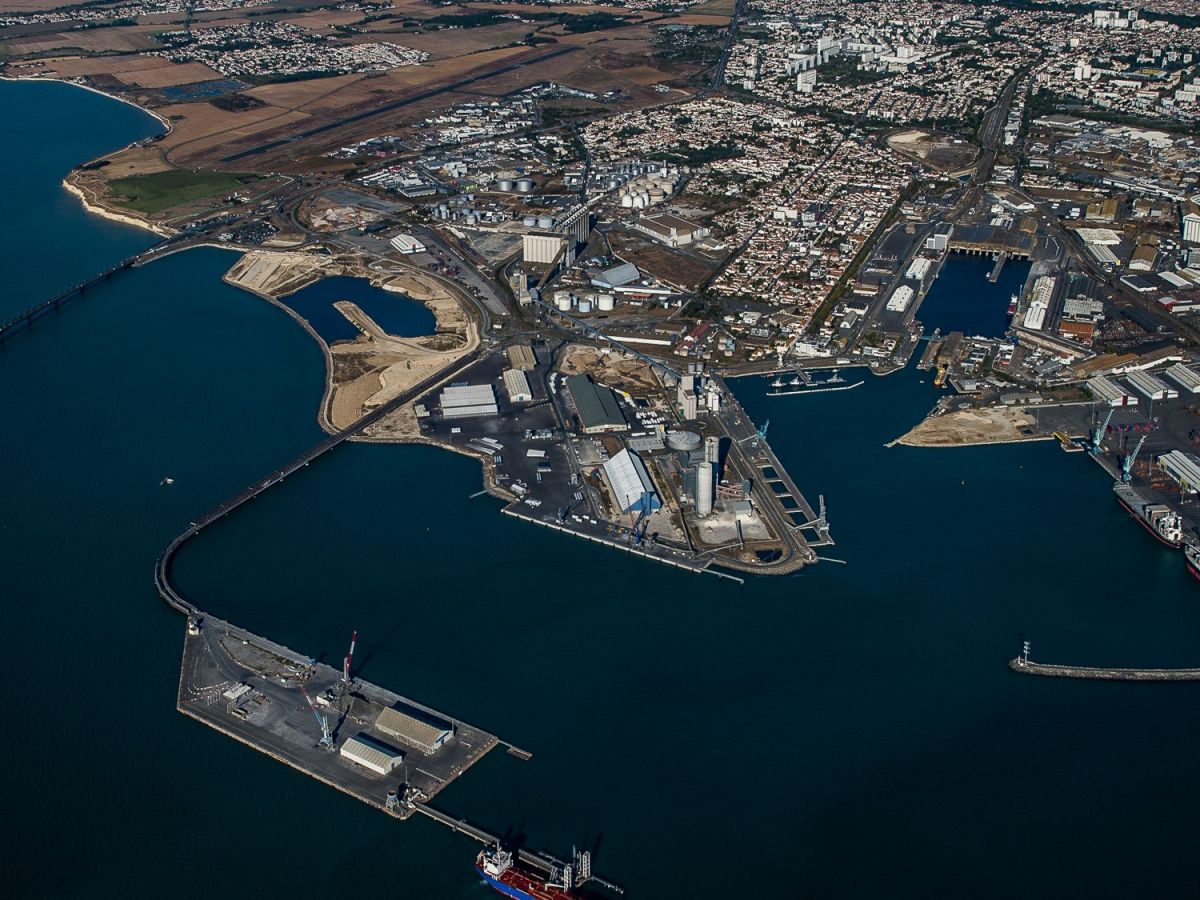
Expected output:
{"points": [[377, 367], [276, 274], [630, 375], [968, 427]]}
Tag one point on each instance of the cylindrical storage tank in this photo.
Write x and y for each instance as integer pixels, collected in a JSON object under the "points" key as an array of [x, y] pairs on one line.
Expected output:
{"points": [[627, 201], [563, 302], [504, 184], [704, 489], [684, 441], [545, 222], [471, 219], [585, 306], [529, 221], [525, 185], [657, 195], [605, 302]]}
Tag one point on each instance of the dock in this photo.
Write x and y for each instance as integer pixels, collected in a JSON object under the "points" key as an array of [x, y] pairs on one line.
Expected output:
{"points": [[249, 688], [1028, 667], [256, 692], [994, 275]]}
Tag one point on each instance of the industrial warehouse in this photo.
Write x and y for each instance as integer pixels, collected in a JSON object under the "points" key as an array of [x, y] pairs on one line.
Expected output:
{"points": [[601, 443]]}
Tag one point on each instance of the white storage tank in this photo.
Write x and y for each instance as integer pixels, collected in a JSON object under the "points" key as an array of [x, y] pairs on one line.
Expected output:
{"points": [[563, 302], [529, 221], [525, 185], [605, 302], [504, 184], [545, 222], [585, 306]]}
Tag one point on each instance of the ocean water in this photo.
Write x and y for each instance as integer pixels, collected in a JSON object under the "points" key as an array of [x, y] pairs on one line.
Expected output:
{"points": [[50, 242], [852, 731], [395, 313]]}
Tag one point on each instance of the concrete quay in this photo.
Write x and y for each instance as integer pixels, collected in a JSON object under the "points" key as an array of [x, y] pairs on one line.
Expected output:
{"points": [[1029, 667], [273, 716]]}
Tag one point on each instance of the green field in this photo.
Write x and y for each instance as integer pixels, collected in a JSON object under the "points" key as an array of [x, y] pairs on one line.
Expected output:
{"points": [[153, 193]]}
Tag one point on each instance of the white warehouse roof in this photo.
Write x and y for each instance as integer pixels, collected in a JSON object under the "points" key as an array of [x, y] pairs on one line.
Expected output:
{"points": [[517, 386], [1152, 387], [371, 754], [1186, 378], [630, 481], [1109, 392]]}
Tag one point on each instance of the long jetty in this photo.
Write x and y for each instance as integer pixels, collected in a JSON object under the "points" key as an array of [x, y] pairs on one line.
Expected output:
{"points": [[28, 317], [1029, 667], [162, 569]]}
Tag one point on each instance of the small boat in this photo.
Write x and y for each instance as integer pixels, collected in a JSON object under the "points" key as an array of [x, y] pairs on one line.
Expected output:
{"points": [[167, 480], [795, 381], [777, 383]]}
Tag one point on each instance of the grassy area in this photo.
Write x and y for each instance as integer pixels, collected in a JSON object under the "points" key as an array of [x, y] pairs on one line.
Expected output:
{"points": [[158, 191]]}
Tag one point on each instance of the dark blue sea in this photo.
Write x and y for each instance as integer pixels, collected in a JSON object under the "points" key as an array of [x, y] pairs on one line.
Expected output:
{"points": [[849, 732]]}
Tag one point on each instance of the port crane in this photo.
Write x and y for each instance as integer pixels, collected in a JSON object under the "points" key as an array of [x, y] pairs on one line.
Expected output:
{"points": [[1127, 462], [326, 735], [349, 659], [760, 435], [1098, 433]]}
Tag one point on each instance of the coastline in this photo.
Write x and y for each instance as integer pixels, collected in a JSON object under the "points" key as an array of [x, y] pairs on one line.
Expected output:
{"points": [[95, 90], [105, 213], [92, 205]]}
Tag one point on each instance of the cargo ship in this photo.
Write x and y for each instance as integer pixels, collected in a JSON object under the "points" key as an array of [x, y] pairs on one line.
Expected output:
{"points": [[505, 872], [1157, 518], [1191, 557]]}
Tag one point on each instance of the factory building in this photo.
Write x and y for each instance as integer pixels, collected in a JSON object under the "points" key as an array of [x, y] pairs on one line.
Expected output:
{"points": [[521, 356], [542, 249], [1183, 468], [617, 276], [462, 400], [1109, 392], [416, 728], [1152, 387], [407, 244], [596, 405], [371, 754], [577, 224], [1184, 377], [630, 483], [900, 299], [1191, 228], [671, 230], [517, 386]]}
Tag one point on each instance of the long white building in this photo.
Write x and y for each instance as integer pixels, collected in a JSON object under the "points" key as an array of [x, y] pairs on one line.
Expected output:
{"points": [[630, 483], [1110, 392], [1154, 388]]}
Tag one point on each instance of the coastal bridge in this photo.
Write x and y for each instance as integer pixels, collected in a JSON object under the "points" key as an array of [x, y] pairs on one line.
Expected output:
{"points": [[31, 315], [162, 580]]}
